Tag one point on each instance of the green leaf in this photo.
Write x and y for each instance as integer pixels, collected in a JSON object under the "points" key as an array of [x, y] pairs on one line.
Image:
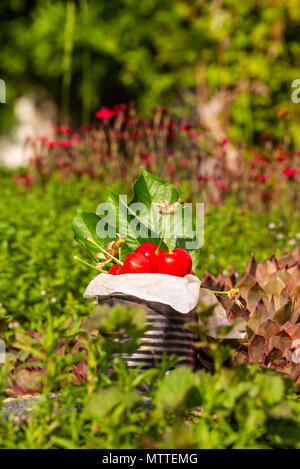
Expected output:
{"points": [[124, 217], [149, 188], [140, 221], [103, 402], [174, 388], [85, 225]]}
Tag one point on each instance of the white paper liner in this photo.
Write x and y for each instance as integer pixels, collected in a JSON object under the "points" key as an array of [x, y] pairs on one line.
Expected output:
{"points": [[180, 293]]}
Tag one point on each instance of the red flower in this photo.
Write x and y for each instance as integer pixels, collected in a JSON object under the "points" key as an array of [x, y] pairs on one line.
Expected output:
{"points": [[281, 158], [171, 170], [148, 158], [203, 178], [262, 177], [222, 186], [224, 141], [86, 128], [62, 164], [130, 121], [167, 153], [261, 159], [64, 144], [289, 172], [135, 134], [186, 127], [50, 144], [267, 195], [120, 107], [194, 133], [24, 181], [62, 129], [184, 163], [105, 113]]}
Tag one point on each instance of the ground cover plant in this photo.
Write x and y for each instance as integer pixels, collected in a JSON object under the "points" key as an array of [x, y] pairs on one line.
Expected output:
{"points": [[268, 304]]}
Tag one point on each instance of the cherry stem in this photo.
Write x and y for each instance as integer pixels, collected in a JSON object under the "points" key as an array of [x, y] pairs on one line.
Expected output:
{"points": [[90, 240], [167, 234], [159, 246], [89, 265]]}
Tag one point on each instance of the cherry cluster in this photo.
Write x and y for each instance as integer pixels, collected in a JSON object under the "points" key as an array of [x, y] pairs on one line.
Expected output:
{"points": [[149, 259]]}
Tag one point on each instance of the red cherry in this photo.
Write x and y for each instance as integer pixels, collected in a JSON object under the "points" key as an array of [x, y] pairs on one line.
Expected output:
{"points": [[136, 263], [148, 250], [115, 270], [178, 263]]}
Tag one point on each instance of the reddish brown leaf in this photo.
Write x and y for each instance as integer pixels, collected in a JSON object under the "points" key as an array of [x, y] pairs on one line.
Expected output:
{"points": [[273, 356], [245, 284], [264, 271], [268, 328], [257, 349], [259, 316], [251, 267], [209, 281], [292, 369], [255, 295], [294, 331], [282, 341], [239, 358], [284, 313]]}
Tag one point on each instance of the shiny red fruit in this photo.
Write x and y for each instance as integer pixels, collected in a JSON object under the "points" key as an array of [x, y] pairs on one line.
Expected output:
{"points": [[148, 250], [178, 263], [136, 263], [115, 270]]}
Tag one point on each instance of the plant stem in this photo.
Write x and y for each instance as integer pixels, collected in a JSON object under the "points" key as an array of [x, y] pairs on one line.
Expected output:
{"points": [[167, 235], [89, 265], [220, 292], [159, 246], [90, 240]]}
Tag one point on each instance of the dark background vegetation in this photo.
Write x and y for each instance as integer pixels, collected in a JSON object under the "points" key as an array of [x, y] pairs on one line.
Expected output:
{"points": [[237, 57]]}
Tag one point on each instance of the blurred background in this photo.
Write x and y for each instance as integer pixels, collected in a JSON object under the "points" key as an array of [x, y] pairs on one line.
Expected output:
{"points": [[228, 65]]}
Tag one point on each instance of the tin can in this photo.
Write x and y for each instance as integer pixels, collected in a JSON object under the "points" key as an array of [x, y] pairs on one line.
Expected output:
{"points": [[167, 337]]}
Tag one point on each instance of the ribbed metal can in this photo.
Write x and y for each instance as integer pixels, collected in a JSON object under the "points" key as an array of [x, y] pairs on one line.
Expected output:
{"points": [[167, 337]]}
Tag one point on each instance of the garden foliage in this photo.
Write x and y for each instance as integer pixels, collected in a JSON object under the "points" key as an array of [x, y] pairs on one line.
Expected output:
{"points": [[238, 57], [52, 348]]}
